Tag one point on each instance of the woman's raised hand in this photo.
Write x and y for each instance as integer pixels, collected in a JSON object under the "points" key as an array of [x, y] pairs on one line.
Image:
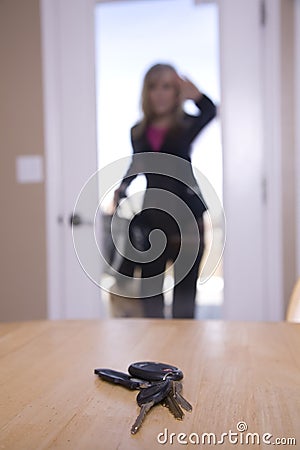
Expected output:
{"points": [[188, 89]]}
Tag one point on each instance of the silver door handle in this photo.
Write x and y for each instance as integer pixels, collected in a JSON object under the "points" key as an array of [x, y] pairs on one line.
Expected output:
{"points": [[76, 220]]}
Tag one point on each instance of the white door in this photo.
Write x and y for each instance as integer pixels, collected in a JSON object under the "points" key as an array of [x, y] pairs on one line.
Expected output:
{"points": [[68, 50], [71, 151], [252, 124], [242, 125]]}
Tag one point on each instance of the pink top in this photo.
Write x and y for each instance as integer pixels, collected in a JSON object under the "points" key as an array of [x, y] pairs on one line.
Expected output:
{"points": [[156, 137]]}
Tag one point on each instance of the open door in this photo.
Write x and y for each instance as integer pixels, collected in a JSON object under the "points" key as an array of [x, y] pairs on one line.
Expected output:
{"points": [[71, 151]]}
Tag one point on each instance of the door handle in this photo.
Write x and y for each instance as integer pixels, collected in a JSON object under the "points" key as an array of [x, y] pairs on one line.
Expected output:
{"points": [[76, 220]]}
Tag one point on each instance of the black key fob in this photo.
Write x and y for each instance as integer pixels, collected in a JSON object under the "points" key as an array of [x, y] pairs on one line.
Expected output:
{"points": [[113, 376], [154, 371]]}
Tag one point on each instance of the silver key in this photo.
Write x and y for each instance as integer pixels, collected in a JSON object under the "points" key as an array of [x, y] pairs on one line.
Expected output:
{"points": [[139, 420], [171, 403], [179, 398], [149, 397]]}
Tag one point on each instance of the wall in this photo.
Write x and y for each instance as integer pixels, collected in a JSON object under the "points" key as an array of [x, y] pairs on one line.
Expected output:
{"points": [[22, 237]]}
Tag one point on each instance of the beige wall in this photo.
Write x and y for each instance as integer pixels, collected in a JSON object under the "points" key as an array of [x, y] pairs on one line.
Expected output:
{"points": [[22, 222]]}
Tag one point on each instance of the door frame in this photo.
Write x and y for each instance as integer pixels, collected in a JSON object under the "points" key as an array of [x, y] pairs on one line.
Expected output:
{"points": [[49, 13], [67, 30], [272, 178]]}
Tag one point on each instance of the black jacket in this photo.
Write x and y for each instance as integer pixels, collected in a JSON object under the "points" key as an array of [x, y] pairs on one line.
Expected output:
{"points": [[178, 143]]}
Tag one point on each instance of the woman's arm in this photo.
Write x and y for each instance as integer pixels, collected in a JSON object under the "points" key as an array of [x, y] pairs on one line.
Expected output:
{"points": [[207, 108], [128, 177], [208, 111]]}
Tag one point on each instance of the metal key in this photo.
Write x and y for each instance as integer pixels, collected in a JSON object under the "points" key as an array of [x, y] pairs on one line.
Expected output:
{"points": [[179, 397], [145, 407], [149, 397], [173, 407], [171, 403]]}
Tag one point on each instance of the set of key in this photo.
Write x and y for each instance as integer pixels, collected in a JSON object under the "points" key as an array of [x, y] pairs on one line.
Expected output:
{"points": [[157, 383]]}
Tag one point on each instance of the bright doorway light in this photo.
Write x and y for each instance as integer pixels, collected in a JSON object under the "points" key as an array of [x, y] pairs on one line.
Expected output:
{"points": [[130, 37]]}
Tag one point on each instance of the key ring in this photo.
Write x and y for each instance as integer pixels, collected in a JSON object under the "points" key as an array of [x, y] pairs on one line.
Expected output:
{"points": [[169, 374]]}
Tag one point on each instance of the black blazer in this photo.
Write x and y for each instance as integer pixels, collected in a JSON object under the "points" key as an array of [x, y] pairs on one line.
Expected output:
{"points": [[177, 142]]}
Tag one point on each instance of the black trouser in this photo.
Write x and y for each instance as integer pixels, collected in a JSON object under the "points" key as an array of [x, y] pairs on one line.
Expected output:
{"points": [[184, 292]]}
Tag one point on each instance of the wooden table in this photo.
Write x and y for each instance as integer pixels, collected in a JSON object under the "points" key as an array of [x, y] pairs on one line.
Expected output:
{"points": [[234, 372]]}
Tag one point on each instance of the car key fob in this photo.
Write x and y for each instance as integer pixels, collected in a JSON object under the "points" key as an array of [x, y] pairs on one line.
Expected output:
{"points": [[113, 376], [154, 371]]}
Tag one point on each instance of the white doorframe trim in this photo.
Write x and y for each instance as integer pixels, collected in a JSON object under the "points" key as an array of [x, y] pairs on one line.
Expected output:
{"points": [[52, 138], [70, 126], [274, 302]]}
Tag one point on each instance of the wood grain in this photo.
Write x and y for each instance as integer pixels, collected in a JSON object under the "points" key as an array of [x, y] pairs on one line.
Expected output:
{"points": [[50, 398]]}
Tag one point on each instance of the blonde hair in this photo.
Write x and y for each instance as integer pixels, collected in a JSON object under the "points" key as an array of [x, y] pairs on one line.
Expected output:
{"points": [[151, 77]]}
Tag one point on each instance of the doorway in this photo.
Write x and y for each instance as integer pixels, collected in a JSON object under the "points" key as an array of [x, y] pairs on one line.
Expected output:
{"points": [[253, 288], [128, 40]]}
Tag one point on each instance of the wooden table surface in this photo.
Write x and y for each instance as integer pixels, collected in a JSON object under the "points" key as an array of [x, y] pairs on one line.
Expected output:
{"points": [[234, 372]]}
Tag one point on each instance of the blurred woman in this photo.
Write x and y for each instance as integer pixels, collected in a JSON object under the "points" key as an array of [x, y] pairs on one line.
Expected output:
{"points": [[166, 129]]}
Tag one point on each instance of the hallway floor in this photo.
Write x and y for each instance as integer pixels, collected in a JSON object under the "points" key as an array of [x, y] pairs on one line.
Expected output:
{"points": [[209, 300]]}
